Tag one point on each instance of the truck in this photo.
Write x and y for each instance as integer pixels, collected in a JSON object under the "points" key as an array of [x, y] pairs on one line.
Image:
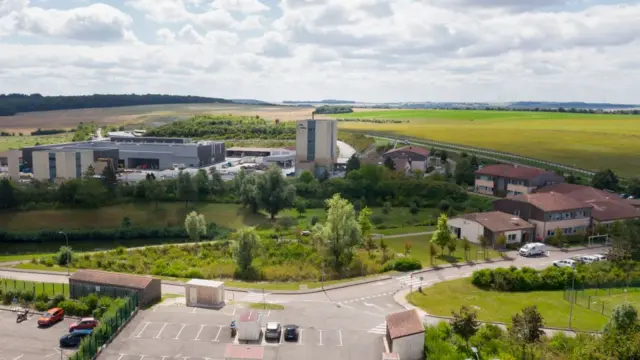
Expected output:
{"points": [[250, 326]]}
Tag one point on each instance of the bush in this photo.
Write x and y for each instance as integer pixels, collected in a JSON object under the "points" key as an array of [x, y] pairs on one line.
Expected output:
{"points": [[42, 297], [286, 222], [444, 205], [402, 264], [8, 296], [56, 300], [74, 308], [314, 220], [41, 305], [524, 279], [377, 219], [26, 296]]}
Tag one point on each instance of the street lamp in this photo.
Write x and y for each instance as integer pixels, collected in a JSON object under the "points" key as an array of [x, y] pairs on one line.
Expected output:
{"points": [[68, 258]]}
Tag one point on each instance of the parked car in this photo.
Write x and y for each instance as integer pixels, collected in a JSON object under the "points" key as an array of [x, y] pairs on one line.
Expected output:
{"points": [[578, 259], [274, 331], [51, 317], [305, 233], [532, 249], [74, 338], [600, 257], [565, 263], [83, 324], [588, 259], [291, 333]]}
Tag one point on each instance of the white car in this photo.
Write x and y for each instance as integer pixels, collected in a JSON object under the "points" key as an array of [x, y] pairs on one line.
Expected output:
{"points": [[565, 263], [600, 257], [588, 259], [532, 249]]}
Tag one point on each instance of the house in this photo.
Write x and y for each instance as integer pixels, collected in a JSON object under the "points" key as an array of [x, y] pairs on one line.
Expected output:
{"points": [[548, 211], [491, 225], [405, 335], [408, 158], [509, 180], [607, 207]]}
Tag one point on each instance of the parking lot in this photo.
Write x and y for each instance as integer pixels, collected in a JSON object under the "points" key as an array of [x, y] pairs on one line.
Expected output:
{"points": [[25, 341], [178, 332]]}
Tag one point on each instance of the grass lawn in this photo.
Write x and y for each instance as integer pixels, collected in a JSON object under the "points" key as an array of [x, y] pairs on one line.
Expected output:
{"points": [[420, 250], [404, 230], [445, 297], [48, 288], [17, 142], [589, 141]]}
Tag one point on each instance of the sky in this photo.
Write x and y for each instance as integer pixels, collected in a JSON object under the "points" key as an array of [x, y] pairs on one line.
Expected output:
{"points": [[361, 50]]}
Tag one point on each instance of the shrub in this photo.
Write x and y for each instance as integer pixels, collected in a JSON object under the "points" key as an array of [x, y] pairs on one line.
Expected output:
{"points": [[41, 305], [314, 220], [42, 297], [444, 205], [74, 308], [56, 300], [194, 274], [286, 222], [8, 296], [377, 219], [402, 264], [64, 256], [26, 296]]}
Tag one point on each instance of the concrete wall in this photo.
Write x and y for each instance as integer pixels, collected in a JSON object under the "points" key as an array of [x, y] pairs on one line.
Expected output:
{"points": [[409, 347], [41, 165], [469, 229], [13, 162]]}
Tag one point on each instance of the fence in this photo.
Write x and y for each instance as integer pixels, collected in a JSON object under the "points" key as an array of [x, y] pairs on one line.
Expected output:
{"points": [[601, 300], [111, 322], [73, 291]]}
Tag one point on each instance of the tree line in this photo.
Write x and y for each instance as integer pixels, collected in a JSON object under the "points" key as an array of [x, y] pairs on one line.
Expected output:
{"points": [[374, 121], [11, 104], [227, 127], [333, 109]]}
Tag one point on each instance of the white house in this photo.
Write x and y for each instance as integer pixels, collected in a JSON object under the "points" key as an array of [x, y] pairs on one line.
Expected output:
{"points": [[405, 335], [491, 225]]}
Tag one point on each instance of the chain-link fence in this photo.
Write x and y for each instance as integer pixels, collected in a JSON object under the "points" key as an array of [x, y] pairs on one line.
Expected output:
{"points": [[601, 300], [49, 289], [111, 322]]}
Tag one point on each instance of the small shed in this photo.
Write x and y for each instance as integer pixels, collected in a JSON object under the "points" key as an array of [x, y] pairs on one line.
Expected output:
{"points": [[84, 282], [405, 335], [243, 352], [204, 293]]}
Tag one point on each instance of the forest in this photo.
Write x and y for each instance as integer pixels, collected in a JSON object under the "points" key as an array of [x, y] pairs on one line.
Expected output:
{"points": [[227, 127]]}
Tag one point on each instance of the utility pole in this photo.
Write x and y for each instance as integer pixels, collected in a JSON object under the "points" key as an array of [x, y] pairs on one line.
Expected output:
{"points": [[68, 259]]}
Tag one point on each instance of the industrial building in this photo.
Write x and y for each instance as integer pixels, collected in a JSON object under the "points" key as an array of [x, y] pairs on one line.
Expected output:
{"points": [[83, 282], [70, 160], [316, 145]]}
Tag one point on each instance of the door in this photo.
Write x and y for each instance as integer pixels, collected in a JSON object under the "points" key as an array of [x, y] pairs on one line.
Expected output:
{"points": [[193, 295]]}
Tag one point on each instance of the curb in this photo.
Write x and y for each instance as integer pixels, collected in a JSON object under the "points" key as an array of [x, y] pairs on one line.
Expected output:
{"points": [[39, 313]]}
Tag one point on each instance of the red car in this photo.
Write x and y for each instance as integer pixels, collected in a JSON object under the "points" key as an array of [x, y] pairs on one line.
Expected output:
{"points": [[84, 324], [51, 317]]}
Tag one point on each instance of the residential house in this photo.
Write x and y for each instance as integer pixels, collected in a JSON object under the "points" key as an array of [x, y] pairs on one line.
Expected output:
{"points": [[607, 207], [491, 225], [408, 158], [509, 180], [548, 211]]}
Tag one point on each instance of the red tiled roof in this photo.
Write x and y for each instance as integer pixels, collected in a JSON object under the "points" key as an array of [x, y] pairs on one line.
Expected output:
{"points": [[404, 324], [250, 316], [112, 279], [551, 201], [606, 206], [244, 352], [412, 149], [511, 171], [498, 221]]}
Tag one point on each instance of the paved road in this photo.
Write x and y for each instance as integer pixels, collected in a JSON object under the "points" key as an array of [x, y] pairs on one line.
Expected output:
{"points": [[346, 151]]}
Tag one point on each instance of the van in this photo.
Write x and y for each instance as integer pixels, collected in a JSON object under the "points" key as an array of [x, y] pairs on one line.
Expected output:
{"points": [[532, 249], [588, 259]]}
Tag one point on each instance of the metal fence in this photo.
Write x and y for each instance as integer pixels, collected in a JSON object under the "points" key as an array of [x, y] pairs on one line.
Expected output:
{"points": [[74, 291], [601, 300], [110, 324]]}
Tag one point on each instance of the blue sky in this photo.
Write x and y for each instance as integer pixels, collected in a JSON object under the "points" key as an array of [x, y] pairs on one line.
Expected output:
{"points": [[365, 50]]}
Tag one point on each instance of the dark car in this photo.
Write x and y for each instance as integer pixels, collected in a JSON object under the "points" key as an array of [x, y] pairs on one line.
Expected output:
{"points": [[74, 338], [274, 331], [291, 333]]}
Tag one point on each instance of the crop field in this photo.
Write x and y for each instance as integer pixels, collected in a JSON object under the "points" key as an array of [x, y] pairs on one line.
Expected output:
{"points": [[588, 141]]}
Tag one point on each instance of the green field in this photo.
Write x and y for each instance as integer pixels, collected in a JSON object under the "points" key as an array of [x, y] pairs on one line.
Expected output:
{"points": [[443, 298], [420, 251], [18, 142], [589, 141]]}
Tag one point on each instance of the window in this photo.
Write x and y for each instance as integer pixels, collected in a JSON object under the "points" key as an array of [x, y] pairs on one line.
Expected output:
{"points": [[511, 237], [566, 215], [567, 231], [556, 216], [550, 232]]}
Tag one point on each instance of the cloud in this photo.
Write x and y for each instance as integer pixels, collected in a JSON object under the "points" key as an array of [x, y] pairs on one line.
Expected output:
{"points": [[243, 6]]}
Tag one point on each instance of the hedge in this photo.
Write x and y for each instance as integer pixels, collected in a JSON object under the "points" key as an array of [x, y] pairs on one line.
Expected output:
{"points": [[402, 264]]}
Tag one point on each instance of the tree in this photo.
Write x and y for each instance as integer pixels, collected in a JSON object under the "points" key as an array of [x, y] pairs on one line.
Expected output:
{"points": [[201, 183], [248, 241], [364, 221], [301, 207], [324, 176], [414, 209], [8, 194], [389, 163], [526, 327], [274, 191], [633, 187], [572, 179], [475, 165], [110, 179], [150, 176], [558, 237], [626, 241], [238, 181], [451, 246], [353, 163], [89, 173], [155, 191], [384, 250], [501, 242], [64, 256], [248, 193], [386, 208], [605, 180], [91, 194], [196, 226], [624, 319], [442, 235], [433, 250], [340, 233], [186, 188], [216, 184], [484, 243], [466, 245], [464, 323], [443, 155], [407, 248], [464, 173]]}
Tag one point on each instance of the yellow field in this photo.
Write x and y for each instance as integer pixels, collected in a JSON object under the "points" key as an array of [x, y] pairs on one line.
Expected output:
{"points": [[586, 141]]}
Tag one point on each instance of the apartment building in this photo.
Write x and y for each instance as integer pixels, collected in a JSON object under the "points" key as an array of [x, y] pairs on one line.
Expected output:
{"points": [[511, 180], [316, 145], [547, 212]]}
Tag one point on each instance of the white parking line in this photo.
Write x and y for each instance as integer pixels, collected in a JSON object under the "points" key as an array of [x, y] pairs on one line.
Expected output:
{"points": [[121, 356], [194, 310], [180, 332], [300, 336], [18, 357], [161, 330], [144, 327], [199, 331], [218, 334], [142, 357], [164, 357], [340, 337], [320, 331]]}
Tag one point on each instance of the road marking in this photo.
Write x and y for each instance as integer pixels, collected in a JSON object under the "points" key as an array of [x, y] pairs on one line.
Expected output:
{"points": [[374, 305], [18, 357], [155, 308], [269, 313], [218, 334], [180, 332], [194, 310], [161, 330], [164, 357], [199, 331], [380, 329], [142, 356], [389, 305], [300, 336], [144, 327], [340, 337], [320, 331], [451, 277], [379, 283], [120, 357]]}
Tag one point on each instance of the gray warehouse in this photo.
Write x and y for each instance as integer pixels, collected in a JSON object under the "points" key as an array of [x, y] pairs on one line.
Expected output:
{"points": [[144, 152]]}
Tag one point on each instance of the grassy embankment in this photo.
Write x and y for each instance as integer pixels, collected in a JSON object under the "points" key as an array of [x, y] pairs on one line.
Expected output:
{"points": [[589, 141]]}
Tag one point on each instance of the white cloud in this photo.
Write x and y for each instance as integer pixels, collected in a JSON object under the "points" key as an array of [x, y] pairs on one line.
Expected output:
{"points": [[480, 50]]}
